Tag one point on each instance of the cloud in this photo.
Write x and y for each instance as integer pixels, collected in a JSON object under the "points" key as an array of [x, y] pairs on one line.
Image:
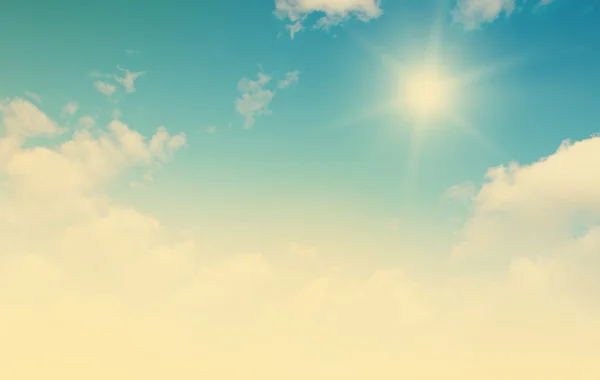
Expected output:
{"points": [[541, 205], [290, 78], [256, 96], [34, 96], [462, 193], [211, 129], [294, 28], [86, 121], [105, 88], [335, 12], [92, 288], [116, 114], [473, 13], [21, 118], [70, 109], [132, 52], [129, 78]]}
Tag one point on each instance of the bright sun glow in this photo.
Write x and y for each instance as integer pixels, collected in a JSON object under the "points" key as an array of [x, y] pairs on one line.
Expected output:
{"points": [[426, 94]]}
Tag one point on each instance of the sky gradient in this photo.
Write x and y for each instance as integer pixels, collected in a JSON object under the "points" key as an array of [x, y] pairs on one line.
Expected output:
{"points": [[235, 190]]}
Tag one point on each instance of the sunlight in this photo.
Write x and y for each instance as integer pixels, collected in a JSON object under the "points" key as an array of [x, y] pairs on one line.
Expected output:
{"points": [[426, 94]]}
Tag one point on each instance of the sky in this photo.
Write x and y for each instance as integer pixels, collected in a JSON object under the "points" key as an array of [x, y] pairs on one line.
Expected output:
{"points": [[293, 189]]}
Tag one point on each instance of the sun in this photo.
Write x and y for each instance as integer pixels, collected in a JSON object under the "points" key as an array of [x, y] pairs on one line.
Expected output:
{"points": [[426, 94]]}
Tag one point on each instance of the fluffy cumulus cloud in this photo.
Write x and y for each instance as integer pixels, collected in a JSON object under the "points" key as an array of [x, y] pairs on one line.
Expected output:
{"points": [[93, 288], [332, 12], [256, 95], [472, 13]]}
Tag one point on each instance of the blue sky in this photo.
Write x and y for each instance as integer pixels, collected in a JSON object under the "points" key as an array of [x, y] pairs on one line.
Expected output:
{"points": [[279, 142], [321, 143]]}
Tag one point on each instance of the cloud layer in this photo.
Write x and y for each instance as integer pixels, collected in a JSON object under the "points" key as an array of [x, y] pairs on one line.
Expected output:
{"points": [[91, 288]]}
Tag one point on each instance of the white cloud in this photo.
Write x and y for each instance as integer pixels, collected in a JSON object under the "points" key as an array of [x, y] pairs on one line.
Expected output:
{"points": [[473, 13], [23, 119], [294, 28], [70, 109], [335, 12], [255, 98], [92, 288], [539, 205], [256, 95], [290, 78], [105, 88], [129, 78]]}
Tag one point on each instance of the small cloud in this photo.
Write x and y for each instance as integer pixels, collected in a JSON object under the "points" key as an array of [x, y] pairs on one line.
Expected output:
{"points": [[255, 98], [105, 88], [472, 13], [128, 80], [148, 177], [132, 52], [335, 12], [34, 96], [116, 114], [211, 129], [290, 78], [294, 28], [86, 122], [69, 109], [462, 193]]}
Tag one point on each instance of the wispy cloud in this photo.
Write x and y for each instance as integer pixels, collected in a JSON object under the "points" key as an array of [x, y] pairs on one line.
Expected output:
{"points": [[462, 193], [335, 12], [255, 98], [211, 129], [256, 95], [69, 109], [473, 13], [34, 96], [290, 78], [116, 114], [86, 122], [128, 79], [105, 88]]}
